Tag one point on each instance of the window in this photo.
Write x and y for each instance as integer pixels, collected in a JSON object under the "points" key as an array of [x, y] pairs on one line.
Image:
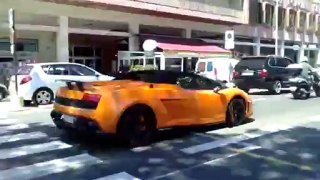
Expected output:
{"points": [[272, 62], [312, 20], [281, 17], [83, 51], [30, 45], [201, 67], [209, 67], [269, 14], [195, 82], [58, 70], [302, 20], [76, 70], [282, 62], [4, 46], [173, 64], [292, 18], [253, 63], [260, 14], [24, 70]]}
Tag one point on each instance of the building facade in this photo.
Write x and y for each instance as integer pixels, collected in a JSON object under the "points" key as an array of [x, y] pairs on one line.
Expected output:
{"points": [[93, 31], [298, 34]]}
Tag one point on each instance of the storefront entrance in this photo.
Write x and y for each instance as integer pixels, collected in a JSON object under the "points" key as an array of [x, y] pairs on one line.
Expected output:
{"points": [[86, 55]]}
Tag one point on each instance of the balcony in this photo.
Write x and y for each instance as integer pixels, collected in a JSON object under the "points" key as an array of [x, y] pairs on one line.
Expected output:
{"points": [[218, 11]]}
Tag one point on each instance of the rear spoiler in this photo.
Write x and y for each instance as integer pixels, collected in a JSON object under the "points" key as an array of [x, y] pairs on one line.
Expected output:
{"points": [[79, 84]]}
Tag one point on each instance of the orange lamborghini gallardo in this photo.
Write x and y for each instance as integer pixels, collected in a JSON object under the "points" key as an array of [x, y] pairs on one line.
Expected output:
{"points": [[135, 105]]}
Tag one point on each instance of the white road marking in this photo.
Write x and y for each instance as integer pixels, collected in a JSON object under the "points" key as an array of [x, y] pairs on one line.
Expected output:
{"points": [[22, 136], [211, 162], [32, 149], [232, 140], [49, 167], [119, 176], [8, 121], [258, 99], [314, 118], [5, 129]]}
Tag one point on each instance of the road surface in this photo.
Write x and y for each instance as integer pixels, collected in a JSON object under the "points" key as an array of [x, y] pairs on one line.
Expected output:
{"points": [[281, 143]]}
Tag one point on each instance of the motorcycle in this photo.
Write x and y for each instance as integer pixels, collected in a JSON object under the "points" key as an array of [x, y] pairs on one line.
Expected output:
{"points": [[300, 87]]}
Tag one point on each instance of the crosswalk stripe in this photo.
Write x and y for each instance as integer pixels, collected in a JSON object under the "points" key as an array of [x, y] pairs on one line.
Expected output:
{"points": [[49, 167], [32, 149], [8, 121], [5, 129], [119, 176], [22, 136]]}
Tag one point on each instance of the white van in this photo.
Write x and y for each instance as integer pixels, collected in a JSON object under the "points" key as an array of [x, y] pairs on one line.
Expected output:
{"points": [[218, 68]]}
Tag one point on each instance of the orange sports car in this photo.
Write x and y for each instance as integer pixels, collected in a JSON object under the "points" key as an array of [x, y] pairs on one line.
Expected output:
{"points": [[136, 104]]}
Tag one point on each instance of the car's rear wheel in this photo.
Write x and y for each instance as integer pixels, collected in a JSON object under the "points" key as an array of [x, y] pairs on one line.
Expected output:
{"points": [[43, 96], [276, 87], [236, 112], [137, 126]]}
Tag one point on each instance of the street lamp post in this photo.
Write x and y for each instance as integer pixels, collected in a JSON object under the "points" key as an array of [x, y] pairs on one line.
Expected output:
{"points": [[277, 26]]}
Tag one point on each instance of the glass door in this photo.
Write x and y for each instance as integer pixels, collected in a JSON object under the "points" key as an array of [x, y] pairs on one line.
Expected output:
{"points": [[90, 62]]}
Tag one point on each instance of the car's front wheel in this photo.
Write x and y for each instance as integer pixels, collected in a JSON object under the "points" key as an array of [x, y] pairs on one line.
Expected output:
{"points": [[236, 112], [43, 96]]}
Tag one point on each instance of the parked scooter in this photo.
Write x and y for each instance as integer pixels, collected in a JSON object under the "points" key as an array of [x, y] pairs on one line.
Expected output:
{"points": [[300, 87]]}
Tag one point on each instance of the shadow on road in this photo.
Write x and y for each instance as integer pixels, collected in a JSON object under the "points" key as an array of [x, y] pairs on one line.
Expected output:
{"points": [[268, 93], [291, 154]]}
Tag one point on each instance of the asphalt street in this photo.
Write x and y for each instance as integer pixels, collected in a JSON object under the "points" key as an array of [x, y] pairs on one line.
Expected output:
{"points": [[281, 142]]}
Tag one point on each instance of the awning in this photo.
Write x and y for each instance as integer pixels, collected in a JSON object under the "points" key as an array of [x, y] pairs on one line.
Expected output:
{"points": [[191, 48]]}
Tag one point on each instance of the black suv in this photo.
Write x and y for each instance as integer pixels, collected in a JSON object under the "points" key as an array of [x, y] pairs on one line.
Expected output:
{"points": [[262, 72]]}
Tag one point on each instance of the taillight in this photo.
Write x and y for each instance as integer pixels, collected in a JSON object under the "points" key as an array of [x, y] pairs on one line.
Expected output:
{"points": [[263, 73], [236, 74], [25, 80], [91, 97]]}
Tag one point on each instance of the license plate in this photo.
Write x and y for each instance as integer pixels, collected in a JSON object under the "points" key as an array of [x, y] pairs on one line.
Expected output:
{"points": [[68, 119], [247, 74], [292, 88]]}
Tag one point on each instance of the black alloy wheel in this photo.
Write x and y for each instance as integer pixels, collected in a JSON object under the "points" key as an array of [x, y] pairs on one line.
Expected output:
{"points": [[137, 127], [236, 112]]}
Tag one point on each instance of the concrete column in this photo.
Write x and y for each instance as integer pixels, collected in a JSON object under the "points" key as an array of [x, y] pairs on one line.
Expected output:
{"points": [[63, 39], [134, 44], [257, 47], [282, 49], [187, 33], [318, 59]]}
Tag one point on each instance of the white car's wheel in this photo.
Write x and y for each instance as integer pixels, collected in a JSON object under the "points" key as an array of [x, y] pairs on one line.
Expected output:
{"points": [[43, 97]]}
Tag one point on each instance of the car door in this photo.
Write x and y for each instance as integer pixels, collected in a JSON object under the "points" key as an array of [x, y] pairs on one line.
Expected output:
{"points": [[282, 71], [210, 105], [82, 73], [178, 102]]}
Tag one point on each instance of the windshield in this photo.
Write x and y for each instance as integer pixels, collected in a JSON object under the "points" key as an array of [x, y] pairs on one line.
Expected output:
{"points": [[251, 63]]}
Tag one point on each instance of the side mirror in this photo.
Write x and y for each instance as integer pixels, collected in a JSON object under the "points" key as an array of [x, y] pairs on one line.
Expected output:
{"points": [[224, 82], [216, 89], [97, 76]]}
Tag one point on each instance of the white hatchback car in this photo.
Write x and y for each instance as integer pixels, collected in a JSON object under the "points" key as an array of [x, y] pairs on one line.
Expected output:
{"points": [[38, 83]]}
